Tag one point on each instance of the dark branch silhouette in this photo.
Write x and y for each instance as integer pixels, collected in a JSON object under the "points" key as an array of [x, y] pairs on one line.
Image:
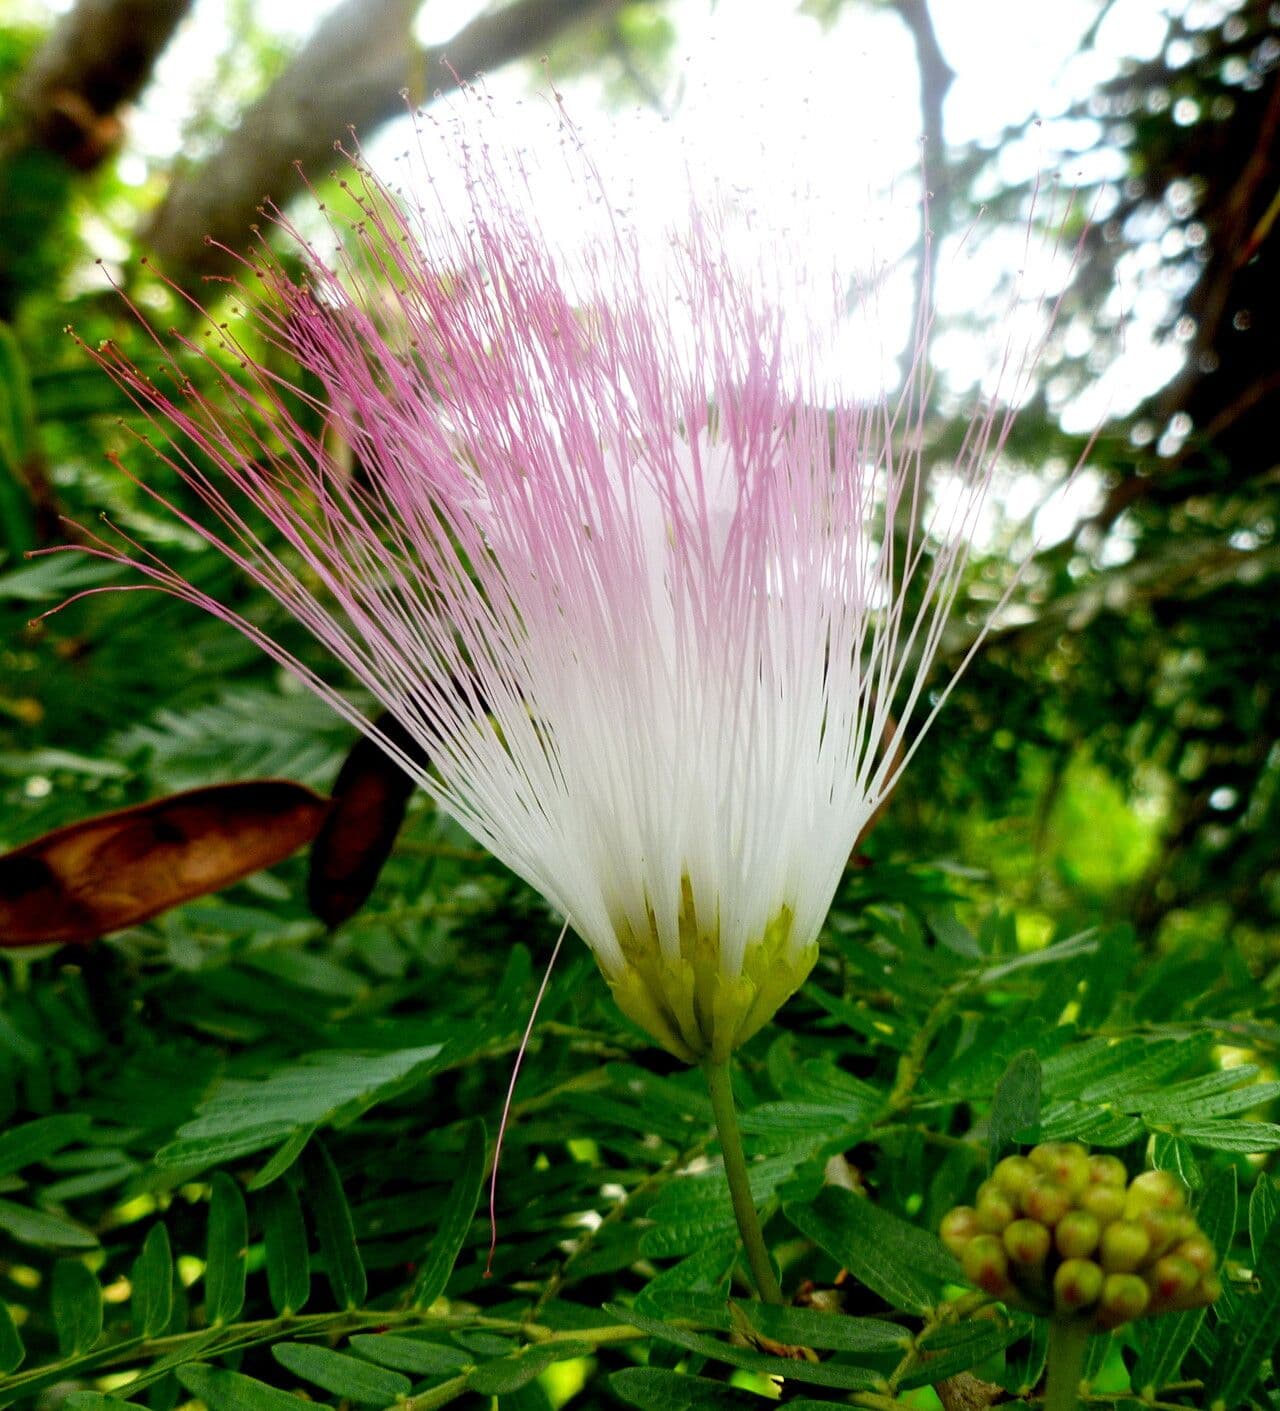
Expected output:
{"points": [[97, 59], [351, 74]]}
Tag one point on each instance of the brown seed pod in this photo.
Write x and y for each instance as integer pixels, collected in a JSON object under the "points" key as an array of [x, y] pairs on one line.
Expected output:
{"points": [[122, 868]]}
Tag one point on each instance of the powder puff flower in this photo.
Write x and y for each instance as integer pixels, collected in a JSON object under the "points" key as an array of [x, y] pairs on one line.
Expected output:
{"points": [[593, 530]]}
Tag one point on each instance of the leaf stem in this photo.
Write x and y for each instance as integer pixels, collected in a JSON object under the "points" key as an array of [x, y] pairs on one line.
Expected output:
{"points": [[720, 1087], [1068, 1339], [911, 1064]]}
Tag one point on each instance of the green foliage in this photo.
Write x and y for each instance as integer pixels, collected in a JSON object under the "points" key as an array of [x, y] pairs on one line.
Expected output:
{"points": [[244, 1159], [283, 1195]]}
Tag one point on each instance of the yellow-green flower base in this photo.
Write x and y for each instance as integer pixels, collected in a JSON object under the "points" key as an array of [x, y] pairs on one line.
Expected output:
{"points": [[687, 1004]]}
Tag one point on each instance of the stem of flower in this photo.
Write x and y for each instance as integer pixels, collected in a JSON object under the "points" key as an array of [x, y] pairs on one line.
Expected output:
{"points": [[720, 1086], [1068, 1339]]}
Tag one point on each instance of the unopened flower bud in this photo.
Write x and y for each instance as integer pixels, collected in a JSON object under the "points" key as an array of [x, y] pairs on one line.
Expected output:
{"points": [[1059, 1232], [1066, 1163], [986, 1265], [1124, 1297], [1124, 1245], [1104, 1203], [1172, 1279], [958, 1227], [1076, 1286], [995, 1209], [1013, 1175], [1197, 1250], [1158, 1190], [1027, 1243], [1108, 1171], [1045, 1200], [1077, 1235], [1163, 1230]]}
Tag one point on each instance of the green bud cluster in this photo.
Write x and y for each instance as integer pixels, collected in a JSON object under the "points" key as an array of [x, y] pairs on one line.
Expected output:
{"points": [[1066, 1234]]}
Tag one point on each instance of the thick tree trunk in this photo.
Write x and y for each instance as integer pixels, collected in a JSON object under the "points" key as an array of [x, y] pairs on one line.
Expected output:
{"points": [[98, 58], [351, 74]]}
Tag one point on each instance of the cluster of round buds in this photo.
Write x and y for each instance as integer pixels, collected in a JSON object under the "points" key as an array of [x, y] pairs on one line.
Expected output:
{"points": [[1063, 1233]]}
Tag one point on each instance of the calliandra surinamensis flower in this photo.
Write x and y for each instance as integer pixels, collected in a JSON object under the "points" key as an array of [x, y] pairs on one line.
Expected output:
{"points": [[610, 554]]}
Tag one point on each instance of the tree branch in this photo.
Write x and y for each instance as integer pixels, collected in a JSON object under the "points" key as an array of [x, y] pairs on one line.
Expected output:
{"points": [[352, 73], [936, 77], [98, 58]]}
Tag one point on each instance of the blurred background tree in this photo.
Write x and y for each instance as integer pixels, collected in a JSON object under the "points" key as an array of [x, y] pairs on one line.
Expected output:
{"points": [[1112, 751]]}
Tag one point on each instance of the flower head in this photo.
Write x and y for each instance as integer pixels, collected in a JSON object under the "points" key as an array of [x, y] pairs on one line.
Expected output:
{"points": [[592, 529], [1069, 1235]]}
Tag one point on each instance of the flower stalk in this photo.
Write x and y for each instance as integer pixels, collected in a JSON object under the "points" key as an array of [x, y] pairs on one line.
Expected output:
{"points": [[1068, 1343], [720, 1087]]}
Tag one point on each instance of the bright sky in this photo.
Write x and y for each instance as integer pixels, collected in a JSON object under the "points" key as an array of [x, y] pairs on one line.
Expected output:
{"points": [[772, 100]]}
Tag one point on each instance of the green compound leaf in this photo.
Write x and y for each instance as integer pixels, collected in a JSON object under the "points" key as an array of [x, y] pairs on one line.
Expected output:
{"points": [[1175, 1154], [1264, 1205], [33, 1141], [228, 1242], [828, 1374], [508, 1374], [455, 1219], [656, 1389], [1015, 1108], [692, 1209], [322, 1089], [11, 1349], [1102, 1070], [809, 1327], [334, 1229], [282, 1159], [1025, 1359], [43, 1230], [284, 1236], [1205, 1099], [956, 1348], [97, 1401], [152, 1283], [344, 1376], [77, 1307], [230, 1391], [412, 1355], [17, 444], [1246, 1137], [1244, 1346], [904, 1264]]}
